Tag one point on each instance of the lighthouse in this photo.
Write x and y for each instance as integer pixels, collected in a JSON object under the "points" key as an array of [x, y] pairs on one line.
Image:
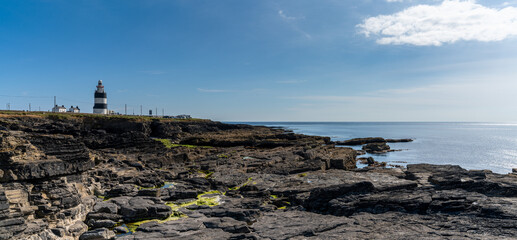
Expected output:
{"points": [[101, 100]]}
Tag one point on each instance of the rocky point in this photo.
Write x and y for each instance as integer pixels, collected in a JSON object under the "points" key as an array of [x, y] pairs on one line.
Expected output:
{"points": [[66, 176]]}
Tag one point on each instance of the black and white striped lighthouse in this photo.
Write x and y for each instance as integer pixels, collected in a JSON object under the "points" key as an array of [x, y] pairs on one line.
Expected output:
{"points": [[101, 100]]}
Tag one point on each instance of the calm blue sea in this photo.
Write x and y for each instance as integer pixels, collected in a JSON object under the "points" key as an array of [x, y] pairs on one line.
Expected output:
{"points": [[490, 146]]}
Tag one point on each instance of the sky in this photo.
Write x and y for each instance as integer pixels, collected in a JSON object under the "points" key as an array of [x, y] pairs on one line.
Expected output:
{"points": [[234, 60]]}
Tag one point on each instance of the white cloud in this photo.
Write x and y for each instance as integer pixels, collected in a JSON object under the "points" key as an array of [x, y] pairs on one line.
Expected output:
{"points": [[291, 21], [449, 22], [284, 16]]}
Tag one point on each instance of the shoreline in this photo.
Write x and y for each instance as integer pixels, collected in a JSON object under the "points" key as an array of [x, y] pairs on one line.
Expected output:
{"points": [[86, 178], [493, 146]]}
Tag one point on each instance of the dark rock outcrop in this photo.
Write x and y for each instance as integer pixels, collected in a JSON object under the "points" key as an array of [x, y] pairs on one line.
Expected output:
{"points": [[376, 148], [91, 177], [362, 141]]}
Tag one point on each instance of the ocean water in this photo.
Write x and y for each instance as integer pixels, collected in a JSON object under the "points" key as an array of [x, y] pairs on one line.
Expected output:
{"points": [[491, 146]]}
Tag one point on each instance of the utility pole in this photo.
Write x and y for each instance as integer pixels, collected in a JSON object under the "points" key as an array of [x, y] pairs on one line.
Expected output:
{"points": [[29, 107], [125, 109], [141, 110], [156, 112], [163, 112], [55, 104]]}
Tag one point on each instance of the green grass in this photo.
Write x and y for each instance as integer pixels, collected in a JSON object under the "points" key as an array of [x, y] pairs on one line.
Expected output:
{"points": [[62, 116]]}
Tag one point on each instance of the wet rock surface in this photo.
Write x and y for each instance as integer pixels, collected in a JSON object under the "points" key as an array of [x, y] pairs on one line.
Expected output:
{"points": [[106, 178], [376, 148]]}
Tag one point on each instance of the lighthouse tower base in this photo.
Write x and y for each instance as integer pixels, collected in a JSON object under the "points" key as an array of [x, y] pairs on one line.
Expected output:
{"points": [[100, 111]]}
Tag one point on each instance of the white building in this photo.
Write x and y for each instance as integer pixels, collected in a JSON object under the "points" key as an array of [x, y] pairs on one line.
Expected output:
{"points": [[59, 109], [73, 109], [101, 100]]}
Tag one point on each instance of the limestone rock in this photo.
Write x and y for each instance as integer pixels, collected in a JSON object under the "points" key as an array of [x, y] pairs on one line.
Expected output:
{"points": [[98, 234]]}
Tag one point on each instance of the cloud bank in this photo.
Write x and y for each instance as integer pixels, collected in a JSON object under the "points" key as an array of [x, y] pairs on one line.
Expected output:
{"points": [[449, 22]]}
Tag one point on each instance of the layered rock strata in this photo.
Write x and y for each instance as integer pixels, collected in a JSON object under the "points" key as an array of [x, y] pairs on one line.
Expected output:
{"points": [[87, 177]]}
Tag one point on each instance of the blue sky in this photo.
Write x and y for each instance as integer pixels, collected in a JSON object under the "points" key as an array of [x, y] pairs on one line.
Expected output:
{"points": [[234, 60]]}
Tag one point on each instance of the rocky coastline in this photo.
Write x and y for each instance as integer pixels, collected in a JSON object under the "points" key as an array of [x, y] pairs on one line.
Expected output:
{"points": [[89, 177]]}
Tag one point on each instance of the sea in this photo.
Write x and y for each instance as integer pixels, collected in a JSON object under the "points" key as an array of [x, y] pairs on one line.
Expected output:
{"points": [[491, 146]]}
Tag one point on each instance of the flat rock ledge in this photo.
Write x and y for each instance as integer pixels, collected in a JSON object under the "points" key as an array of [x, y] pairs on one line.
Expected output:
{"points": [[120, 178]]}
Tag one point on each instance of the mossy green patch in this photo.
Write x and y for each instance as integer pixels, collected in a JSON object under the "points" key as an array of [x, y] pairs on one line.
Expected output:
{"points": [[166, 142], [210, 192], [140, 187], [200, 200], [206, 174], [302, 175], [176, 215], [242, 185]]}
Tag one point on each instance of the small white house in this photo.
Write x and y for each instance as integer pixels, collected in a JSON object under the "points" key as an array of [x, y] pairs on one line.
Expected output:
{"points": [[73, 109], [59, 109]]}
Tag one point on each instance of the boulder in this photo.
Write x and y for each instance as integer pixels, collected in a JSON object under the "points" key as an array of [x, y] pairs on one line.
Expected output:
{"points": [[142, 208], [376, 148], [122, 190], [98, 234]]}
